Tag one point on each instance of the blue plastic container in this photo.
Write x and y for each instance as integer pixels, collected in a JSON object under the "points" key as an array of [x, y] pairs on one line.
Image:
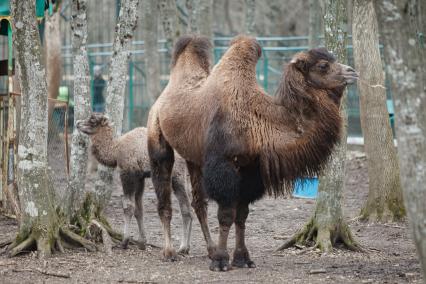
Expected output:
{"points": [[306, 188]]}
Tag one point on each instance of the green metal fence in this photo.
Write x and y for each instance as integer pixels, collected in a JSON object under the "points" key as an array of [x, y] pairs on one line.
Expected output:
{"points": [[276, 52]]}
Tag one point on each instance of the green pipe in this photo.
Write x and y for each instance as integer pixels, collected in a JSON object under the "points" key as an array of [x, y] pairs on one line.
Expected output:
{"points": [[10, 50]]}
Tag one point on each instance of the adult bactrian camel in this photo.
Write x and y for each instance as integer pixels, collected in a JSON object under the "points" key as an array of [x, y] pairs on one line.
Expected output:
{"points": [[239, 142]]}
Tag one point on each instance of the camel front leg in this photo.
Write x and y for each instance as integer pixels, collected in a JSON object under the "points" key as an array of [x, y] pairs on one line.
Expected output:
{"points": [[220, 258], [241, 257]]}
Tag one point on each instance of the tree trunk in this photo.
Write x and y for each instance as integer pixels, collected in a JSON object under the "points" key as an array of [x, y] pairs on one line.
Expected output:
{"points": [[385, 202], [250, 9], [327, 226], [315, 27], [202, 14], [169, 20], [151, 57], [80, 142], [403, 26], [114, 105], [52, 48], [191, 28], [39, 220]]}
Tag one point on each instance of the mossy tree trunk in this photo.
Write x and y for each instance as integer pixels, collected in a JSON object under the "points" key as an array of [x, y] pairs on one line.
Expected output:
{"points": [[250, 13], [204, 17], [40, 225], [385, 202], [151, 55], [39, 222], [327, 227], [114, 107], [80, 142], [315, 27], [403, 27], [169, 21]]}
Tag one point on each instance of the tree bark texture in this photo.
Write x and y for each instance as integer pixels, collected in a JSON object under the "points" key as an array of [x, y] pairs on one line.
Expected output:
{"points": [[202, 17], [315, 24], [328, 227], [385, 202], [38, 222], [114, 105], [403, 28], [80, 142], [250, 9], [329, 213], [151, 56], [192, 24], [169, 20], [53, 59]]}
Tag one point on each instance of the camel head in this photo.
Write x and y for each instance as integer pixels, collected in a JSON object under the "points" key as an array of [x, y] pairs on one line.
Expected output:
{"points": [[320, 70], [93, 124]]}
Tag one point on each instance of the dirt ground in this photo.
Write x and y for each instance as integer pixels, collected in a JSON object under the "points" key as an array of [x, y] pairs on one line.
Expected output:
{"points": [[390, 255]]}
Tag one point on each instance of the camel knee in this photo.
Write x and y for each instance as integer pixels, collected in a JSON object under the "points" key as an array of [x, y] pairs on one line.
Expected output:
{"points": [[226, 216]]}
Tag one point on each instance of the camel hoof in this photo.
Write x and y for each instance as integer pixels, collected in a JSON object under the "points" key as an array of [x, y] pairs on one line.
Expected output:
{"points": [[125, 243], [183, 250], [242, 259], [240, 263], [220, 261], [220, 265], [141, 245], [169, 255]]}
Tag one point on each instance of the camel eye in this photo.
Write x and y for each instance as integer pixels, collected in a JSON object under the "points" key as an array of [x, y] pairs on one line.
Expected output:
{"points": [[323, 66]]}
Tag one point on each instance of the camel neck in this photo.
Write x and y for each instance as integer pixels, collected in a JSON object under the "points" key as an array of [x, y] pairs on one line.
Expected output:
{"points": [[104, 147]]}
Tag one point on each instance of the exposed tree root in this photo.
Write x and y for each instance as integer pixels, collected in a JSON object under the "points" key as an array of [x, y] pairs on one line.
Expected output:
{"points": [[16, 248], [323, 237]]}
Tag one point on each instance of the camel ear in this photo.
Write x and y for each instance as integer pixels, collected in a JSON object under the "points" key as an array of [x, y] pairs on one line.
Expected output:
{"points": [[301, 64]]}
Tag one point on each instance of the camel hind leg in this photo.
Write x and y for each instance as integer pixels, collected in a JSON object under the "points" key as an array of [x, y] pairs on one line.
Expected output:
{"points": [[199, 203], [128, 201], [139, 212], [162, 158], [185, 210]]}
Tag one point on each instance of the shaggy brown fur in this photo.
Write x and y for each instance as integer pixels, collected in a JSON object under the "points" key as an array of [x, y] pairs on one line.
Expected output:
{"points": [[245, 142], [129, 153]]}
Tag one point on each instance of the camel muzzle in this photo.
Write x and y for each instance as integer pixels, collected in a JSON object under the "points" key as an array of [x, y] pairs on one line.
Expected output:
{"points": [[349, 74]]}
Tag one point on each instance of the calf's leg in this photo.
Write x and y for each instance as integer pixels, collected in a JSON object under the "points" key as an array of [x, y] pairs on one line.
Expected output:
{"points": [[185, 210], [139, 213]]}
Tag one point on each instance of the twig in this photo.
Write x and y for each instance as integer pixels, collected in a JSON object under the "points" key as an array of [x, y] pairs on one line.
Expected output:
{"points": [[45, 272], [372, 86], [393, 226]]}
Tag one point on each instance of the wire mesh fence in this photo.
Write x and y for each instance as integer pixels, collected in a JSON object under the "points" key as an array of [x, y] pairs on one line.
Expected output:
{"points": [[58, 149]]}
